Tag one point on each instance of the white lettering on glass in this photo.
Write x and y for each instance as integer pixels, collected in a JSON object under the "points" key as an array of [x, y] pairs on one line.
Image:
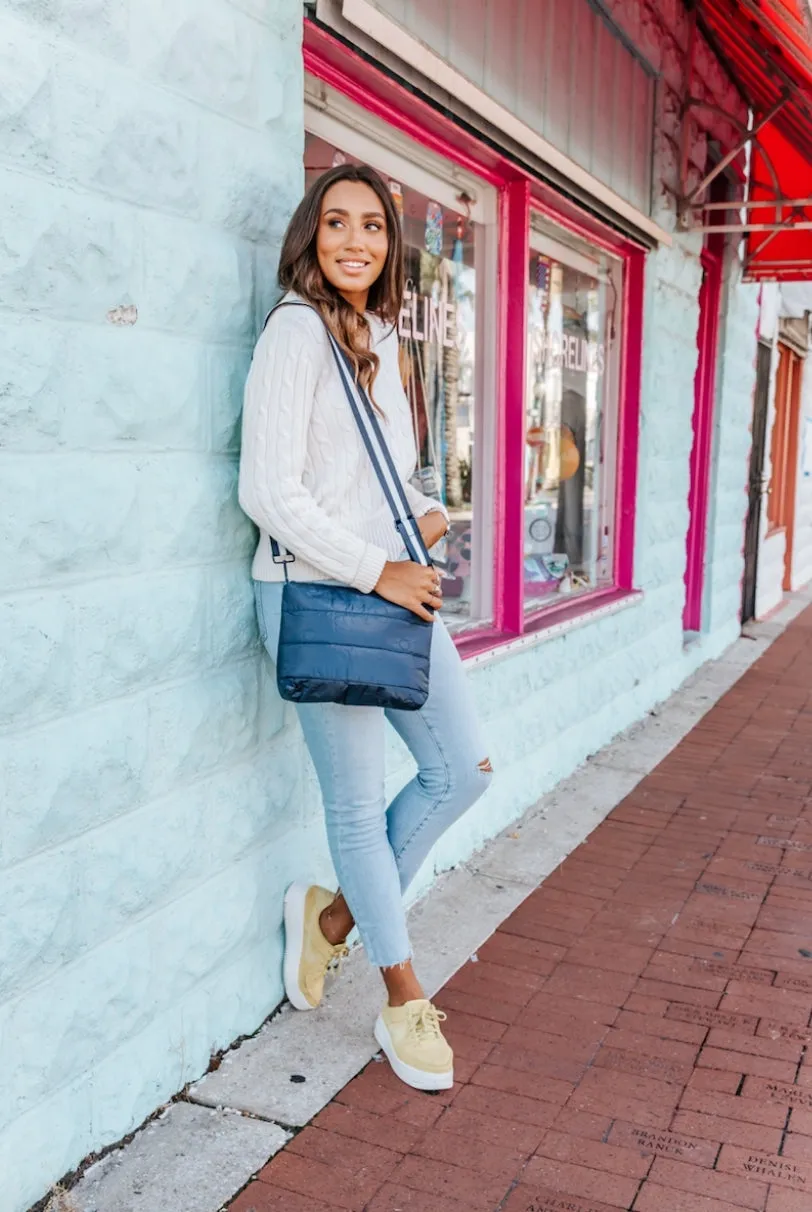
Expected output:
{"points": [[434, 321], [405, 321], [573, 353], [416, 332], [424, 319]]}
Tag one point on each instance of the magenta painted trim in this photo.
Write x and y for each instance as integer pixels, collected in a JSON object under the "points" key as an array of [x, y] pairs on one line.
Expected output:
{"points": [[474, 643], [628, 438], [568, 607], [514, 236], [704, 393]]}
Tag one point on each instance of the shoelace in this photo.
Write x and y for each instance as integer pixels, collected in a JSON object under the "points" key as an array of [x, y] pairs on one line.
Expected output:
{"points": [[426, 1023], [336, 961]]}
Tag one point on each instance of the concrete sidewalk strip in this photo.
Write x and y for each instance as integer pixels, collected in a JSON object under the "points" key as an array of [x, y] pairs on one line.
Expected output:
{"points": [[190, 1159], [644, 934]]}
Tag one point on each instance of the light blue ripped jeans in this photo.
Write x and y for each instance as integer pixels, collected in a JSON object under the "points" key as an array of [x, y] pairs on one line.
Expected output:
{"points": [[376, 850]]}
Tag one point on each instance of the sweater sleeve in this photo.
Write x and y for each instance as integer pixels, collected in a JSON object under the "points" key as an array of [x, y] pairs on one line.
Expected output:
{"points": [[420, 504], [277, 409]]}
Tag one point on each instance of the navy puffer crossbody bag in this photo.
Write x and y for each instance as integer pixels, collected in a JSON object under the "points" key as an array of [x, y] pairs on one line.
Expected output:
{"points": [[336, 644]]}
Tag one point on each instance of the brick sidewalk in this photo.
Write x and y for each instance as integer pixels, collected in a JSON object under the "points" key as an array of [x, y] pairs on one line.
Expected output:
{"points": [[635, 1035]]}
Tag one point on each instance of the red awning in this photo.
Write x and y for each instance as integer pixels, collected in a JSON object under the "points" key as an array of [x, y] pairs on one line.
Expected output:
{"points": [[767, 47]]}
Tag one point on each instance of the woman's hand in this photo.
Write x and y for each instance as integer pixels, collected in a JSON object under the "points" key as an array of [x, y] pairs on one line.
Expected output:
{"points": [[432, 526], [411, 585]]}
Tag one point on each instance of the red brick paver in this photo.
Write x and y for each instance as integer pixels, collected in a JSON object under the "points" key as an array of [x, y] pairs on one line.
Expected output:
{"points": [[638, 1034]]}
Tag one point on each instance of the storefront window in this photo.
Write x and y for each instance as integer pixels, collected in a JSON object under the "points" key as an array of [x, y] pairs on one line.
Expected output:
{"points": [[570, 436], [437, 331]]}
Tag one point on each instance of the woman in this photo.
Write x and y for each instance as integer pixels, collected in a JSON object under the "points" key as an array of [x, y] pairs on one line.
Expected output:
{"points": [[307, 480]]}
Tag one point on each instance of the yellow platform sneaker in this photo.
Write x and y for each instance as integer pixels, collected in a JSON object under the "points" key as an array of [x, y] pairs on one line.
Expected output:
{"points": [[308, 954], [415, 1046]]}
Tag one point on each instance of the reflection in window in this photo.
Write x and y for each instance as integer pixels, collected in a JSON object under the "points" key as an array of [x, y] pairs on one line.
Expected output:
{"points": [[437, 326], [567, 483]]}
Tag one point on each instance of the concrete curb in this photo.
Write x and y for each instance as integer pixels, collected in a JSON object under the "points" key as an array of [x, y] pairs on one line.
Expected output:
{"points": [[205, 1150]]}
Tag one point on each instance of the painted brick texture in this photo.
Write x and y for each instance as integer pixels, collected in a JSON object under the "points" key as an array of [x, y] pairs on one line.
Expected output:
{"points": [[157, 796], [150, 154]]}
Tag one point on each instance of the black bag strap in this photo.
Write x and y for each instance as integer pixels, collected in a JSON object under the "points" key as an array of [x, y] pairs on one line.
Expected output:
{"points": [[369, 428]]}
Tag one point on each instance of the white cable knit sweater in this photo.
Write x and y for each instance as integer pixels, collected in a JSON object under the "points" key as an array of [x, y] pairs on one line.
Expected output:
{"points": [[305, 476]]}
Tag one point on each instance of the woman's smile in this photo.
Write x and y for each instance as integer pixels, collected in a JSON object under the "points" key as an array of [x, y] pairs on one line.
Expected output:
{"points": [[353, 267]]}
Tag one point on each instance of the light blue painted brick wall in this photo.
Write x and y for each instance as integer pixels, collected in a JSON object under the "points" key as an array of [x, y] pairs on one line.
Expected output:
{"points": [[150, 154], [156, 793]]}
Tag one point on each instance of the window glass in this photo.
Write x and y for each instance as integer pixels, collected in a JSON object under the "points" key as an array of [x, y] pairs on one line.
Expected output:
{"points": [[437, 330], [570, 435]]}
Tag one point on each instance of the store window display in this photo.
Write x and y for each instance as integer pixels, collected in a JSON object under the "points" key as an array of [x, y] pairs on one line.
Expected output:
{"points": [[570, 436]]}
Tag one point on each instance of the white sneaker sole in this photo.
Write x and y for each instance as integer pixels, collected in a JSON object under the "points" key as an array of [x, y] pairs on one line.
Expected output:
{"points": [[294, 942], [418, 1079]]}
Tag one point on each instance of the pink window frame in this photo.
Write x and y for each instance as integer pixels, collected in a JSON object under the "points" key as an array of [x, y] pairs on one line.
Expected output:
{"points": [[331, 61]]}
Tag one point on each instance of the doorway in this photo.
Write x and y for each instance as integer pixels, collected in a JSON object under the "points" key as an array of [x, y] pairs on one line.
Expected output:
{"points": [[784, 452], [755, 483]]}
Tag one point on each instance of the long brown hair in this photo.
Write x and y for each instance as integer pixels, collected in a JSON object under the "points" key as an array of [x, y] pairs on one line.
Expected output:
{"points": [[299, 270]]}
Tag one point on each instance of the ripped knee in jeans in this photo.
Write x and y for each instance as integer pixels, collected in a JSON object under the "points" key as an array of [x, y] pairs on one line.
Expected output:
{"points": [[485, 766]]}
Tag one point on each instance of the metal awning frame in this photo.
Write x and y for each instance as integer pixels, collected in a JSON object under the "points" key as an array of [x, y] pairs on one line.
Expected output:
{"points": [[690, 205], [695, 213]]}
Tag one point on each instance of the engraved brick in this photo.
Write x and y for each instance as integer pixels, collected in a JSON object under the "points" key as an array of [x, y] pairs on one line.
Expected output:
{"points": [[666, 1144], [787, 981], [777, 1031], [720, 890], [712, 1018], [766, 1167], [783, 1093], [784, 843], [589, 1184], [738, 972], [530, 1198]]}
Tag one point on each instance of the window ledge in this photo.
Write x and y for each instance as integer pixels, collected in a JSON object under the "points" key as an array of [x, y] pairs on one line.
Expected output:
{"points": [[486, 647]]}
